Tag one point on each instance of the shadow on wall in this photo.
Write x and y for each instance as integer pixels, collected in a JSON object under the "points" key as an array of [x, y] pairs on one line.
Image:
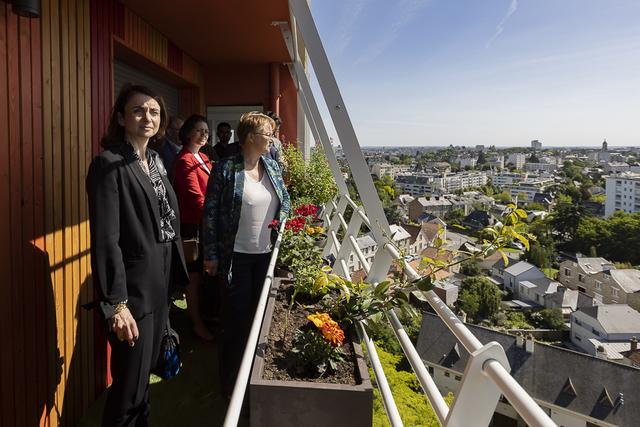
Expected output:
{"points": [[33, 351]]}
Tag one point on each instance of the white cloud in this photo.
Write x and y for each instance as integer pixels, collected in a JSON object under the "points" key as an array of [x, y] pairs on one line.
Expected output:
{"points": [[401, 16], [349, 15], [500, 28]]}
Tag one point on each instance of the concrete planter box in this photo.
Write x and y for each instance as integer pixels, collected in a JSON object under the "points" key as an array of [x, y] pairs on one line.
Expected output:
{"points": [[306, 404]]}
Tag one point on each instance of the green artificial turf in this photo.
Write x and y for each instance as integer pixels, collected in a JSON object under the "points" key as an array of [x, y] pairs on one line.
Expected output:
{"points": [[192, 398]]}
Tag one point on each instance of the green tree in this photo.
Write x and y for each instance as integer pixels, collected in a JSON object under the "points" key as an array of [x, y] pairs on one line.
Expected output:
{"points": [[535, 206], [479, 298], [539, 255], [503, 197], [482, 159], [454, 217], [549, 318], [565, 219], [470, 268], [610, 238]]}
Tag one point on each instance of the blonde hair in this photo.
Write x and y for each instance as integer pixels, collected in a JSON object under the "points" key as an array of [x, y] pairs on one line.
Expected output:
{"points": [[250, 122]]}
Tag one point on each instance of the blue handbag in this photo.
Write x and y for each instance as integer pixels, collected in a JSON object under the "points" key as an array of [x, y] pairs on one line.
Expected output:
{"points": [[169, 364]]}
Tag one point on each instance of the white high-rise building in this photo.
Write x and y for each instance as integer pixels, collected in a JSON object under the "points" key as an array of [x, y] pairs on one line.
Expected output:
{"points": [[536, 145], [517, 160], [623, 193]]}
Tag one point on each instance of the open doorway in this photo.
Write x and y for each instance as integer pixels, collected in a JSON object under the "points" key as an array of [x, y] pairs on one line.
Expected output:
{"points": [[228, 114]]}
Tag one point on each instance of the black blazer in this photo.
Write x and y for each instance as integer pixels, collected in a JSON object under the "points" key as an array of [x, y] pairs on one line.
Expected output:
{"points": [[126, 255]]}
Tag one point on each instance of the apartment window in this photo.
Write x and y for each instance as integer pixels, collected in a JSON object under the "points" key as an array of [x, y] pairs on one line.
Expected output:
{"points": [[582, 289], [581, 278], [567, 272], [458, 377], [598, 286], [615, 292], [577, 337], [447, 374]]}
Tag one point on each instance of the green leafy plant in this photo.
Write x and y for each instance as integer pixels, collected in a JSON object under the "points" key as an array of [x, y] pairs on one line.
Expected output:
{"points": [[310, 182]]}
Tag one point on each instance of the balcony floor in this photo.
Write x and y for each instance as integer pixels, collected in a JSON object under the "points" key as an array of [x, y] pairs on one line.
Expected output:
{"points": [[193, 397]]}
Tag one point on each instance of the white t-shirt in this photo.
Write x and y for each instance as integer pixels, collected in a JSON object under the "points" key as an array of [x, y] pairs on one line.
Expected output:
{"points": [[259, 206]]}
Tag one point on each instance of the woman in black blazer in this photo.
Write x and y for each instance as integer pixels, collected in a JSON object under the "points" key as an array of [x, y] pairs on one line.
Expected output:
{"points": [[136, 254]]}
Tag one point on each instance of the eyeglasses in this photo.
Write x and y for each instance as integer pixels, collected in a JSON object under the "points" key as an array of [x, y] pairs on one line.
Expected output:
{"points": [[263, 134]]}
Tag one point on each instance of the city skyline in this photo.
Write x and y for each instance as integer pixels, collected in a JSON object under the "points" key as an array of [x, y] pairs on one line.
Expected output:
{"points": [[434, 73]]}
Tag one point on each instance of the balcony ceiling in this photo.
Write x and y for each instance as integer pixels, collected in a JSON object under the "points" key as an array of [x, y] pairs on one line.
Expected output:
{"points": [[219, 31]]}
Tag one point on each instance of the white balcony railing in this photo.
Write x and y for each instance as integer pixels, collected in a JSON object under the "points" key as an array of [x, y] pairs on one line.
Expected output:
{"points": [[486, 376]]}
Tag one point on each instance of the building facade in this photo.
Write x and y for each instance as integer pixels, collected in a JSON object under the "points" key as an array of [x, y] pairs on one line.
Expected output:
{"points": [[623, 193], [599, 279]]}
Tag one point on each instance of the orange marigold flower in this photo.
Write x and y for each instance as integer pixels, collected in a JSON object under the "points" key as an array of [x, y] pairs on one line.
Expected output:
{"points": [[319, 319], [333, 333], [330, 329]]}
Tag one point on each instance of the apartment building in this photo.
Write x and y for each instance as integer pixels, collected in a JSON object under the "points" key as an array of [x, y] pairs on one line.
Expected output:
{"points": [[503, 179], [601, 280], [386, 169], [517, 160], [526, 191], [536, 145], [415, 184], [467, 162], [421, 184], [540, 166], [623, 193], [496, 162], [435, 205], [448, 183]]}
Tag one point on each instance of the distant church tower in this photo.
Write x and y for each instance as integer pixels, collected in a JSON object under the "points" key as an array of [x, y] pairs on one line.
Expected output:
{"points": [[604, 145]]}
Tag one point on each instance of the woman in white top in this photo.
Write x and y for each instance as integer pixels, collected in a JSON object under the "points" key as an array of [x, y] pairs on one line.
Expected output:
{"points": [[245, 193]]}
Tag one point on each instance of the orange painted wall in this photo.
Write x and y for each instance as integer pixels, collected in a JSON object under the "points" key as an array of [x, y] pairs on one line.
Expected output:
{"points": [[249, 84]]}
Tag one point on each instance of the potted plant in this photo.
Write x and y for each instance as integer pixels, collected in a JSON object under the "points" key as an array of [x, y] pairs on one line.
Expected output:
{"points": [[308, 369]]}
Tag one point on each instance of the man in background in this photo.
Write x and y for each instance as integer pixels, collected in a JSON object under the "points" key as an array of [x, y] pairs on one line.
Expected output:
{"points": [[170, 145]]}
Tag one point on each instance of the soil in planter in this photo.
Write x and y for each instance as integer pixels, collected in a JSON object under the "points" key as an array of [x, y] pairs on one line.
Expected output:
{"points": [[278, 364]]}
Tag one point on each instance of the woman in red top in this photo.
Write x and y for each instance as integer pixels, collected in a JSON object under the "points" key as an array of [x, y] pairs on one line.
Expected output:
{"points": [[191, 175]]}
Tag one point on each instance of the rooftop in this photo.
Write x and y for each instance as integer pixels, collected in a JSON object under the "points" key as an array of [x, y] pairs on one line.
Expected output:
{"points": [[628, 279], [545, 372], [614, 318], [519, 268], [593, 265]]}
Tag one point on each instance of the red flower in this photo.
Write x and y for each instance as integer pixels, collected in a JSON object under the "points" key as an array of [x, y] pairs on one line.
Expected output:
{"points": [[275, 224], [296, 224], [307, 210]]}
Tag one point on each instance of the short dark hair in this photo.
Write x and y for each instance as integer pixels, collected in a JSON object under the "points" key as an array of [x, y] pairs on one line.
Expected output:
{"points": [[221, 125], [188, 126], [115, 131], [275, 118]]}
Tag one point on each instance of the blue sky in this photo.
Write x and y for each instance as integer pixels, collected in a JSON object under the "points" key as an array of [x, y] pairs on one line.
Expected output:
{"points": [[503, 72]]}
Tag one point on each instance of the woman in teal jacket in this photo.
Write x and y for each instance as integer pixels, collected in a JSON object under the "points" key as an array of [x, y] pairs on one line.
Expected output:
{"points": [[244, 194]]}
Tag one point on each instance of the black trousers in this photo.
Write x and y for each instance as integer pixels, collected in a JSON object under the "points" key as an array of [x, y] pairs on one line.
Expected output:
{"points": [[127, 402], [240, 299]]}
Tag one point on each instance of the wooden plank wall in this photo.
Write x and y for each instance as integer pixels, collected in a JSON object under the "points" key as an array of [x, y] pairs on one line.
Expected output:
{"points": [[23, 286], [47, 369], [55, 99], [67, 152]]}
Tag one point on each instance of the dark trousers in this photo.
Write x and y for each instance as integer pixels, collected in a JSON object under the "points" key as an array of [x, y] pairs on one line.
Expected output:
{"points": [[128, 397], [240, 299]]}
